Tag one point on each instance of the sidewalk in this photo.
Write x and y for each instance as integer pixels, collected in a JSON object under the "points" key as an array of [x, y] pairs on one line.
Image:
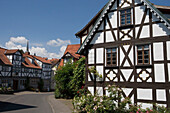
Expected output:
{"points": [[60, 105]]}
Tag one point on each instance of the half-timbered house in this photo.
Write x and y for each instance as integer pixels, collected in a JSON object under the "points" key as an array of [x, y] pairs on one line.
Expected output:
{"points": [[5, 70], [128, 42], [45, 64], [55, 64], [31, 70], [15, 57], [70, 53]]}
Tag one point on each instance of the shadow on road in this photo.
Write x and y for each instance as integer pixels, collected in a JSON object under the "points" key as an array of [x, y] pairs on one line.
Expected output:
{"points": [[7, 106]]}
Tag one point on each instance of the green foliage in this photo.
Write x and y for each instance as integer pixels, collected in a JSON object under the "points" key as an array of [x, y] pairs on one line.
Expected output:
{"points": [[69, 79], [95, 73], [41, 85], [78, 79], [112, 103], [63, 77]]}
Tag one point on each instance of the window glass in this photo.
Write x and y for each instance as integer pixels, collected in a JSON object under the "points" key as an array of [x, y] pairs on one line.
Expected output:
{"points": [[143, 54], [125, 17], [111, 56]]}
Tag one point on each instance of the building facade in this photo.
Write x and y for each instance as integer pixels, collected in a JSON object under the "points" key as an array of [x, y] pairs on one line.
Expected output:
{"points": [[16, 67], [128, 42]]}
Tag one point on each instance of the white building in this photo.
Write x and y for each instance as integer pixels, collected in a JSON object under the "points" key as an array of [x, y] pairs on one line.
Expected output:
{"points": [[128, 42]]}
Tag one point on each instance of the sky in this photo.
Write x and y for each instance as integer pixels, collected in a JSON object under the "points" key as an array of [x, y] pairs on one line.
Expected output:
{"points": [[48, 25]]}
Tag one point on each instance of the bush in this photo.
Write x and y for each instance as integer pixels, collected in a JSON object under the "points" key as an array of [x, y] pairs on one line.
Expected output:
{"points": [[112, 103], [62, 77], [78, 79]]}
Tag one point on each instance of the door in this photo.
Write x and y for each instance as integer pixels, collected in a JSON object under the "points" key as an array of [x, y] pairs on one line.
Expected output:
{"points": [[15, 84]]}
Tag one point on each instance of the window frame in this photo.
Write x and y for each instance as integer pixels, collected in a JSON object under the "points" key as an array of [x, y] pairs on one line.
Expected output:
{"points": [[125, 16], [111, 53], [143, 54]]}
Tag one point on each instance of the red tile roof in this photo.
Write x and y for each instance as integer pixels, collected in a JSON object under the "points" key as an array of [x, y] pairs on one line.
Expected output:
{"points": [[11, 51], [4, 58], [28, 63], [44, 60], [72, 49], [61, 63], [54, 61]]}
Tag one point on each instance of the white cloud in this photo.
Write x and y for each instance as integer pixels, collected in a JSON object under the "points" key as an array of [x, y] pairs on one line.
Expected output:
{"points": [[44, 53], [58, 42], [63, 48], [11, 45], [20, 40], [37, 48]]}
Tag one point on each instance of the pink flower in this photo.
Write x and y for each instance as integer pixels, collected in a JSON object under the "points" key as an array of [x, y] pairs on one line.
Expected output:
{"points": [[137, 112]]}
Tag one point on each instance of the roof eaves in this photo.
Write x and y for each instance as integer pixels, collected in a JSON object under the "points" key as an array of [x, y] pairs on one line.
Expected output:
{"points": [[158, 13], [95, 26]]}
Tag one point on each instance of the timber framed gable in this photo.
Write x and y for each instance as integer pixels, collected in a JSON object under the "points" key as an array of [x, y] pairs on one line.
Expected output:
{"points": [[142, 52]]}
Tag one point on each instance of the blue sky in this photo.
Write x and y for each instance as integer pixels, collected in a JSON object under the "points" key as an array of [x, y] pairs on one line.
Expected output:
{"points": [[49, 25]]}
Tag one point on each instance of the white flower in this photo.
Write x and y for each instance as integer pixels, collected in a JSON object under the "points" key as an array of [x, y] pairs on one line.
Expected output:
{"points": [[95, 108]]}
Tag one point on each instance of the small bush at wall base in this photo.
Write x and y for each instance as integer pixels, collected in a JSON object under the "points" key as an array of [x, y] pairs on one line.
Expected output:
{"points": [[112, 103]]}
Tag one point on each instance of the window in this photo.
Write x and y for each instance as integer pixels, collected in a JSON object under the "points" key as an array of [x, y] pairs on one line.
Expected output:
{"points": [[111, 56], [143, 54], [125, 16]]}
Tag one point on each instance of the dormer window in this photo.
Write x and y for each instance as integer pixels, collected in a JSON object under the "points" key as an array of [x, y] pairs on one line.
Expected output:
{"points": [[125, 17]]}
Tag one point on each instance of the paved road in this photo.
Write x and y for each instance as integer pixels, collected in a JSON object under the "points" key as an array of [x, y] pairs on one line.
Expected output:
{"points": [[28, 103]]}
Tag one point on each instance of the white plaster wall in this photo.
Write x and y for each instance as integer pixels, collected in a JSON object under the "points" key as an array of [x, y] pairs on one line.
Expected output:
{"points": [[109, 37], [144, 33], [98, 38], [139, 12], [83, 38], [168, 49], [147, 18], [99, 91], [145, 105], [91, 56], [125, 4], [127, 91], [145, 94], [99, 70], [91, 89], [113, 18], [158, 51], [121, 56], [160, 95], [126, 73], [160, 30], [150, 54], [114, 6], [99, 55], [169, 71], [125, 36], [159, 73], [111, 75], [101, 26]]}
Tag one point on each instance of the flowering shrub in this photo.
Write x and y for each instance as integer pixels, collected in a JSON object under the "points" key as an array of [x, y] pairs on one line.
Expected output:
{"points": [[114, 102]]}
